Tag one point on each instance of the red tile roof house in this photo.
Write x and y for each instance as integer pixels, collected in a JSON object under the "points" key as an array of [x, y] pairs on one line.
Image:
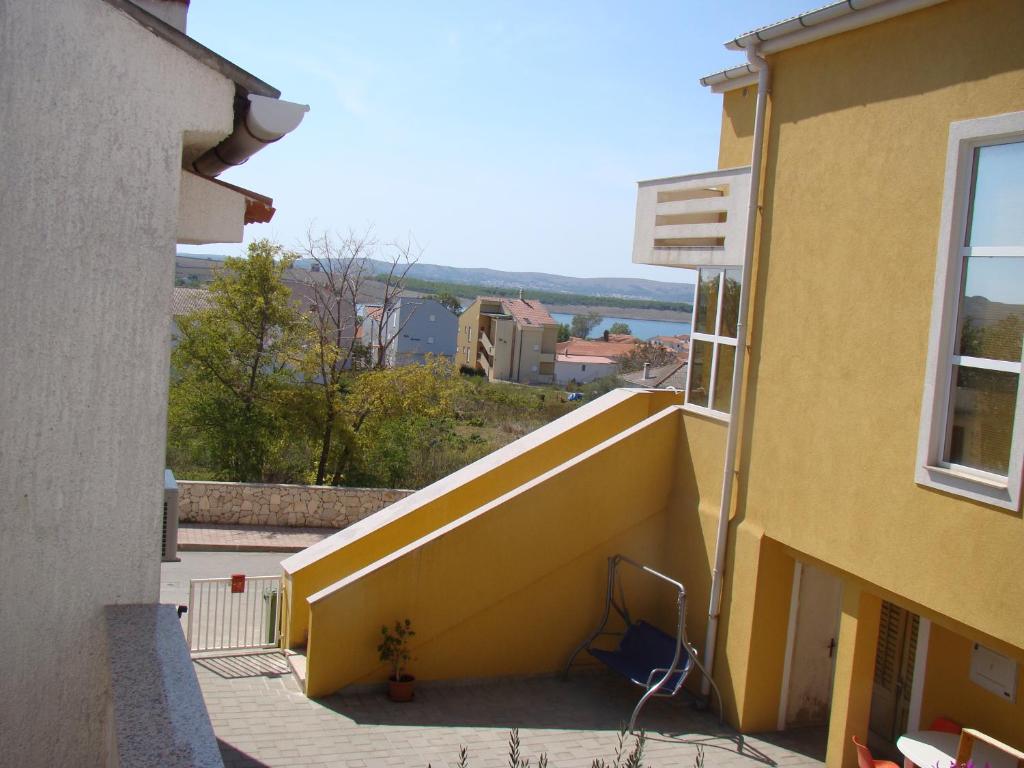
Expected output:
{"points": [[508, 340], [115, 125], [679, 343], [584, 360]]}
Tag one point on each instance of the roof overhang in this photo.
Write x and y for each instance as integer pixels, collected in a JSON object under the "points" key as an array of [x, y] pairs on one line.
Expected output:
{"points": [[832, 19], [259, 209], [244, 80]]}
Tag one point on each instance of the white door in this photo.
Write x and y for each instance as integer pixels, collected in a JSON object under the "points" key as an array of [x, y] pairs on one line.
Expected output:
{"points": [[818, 596]]}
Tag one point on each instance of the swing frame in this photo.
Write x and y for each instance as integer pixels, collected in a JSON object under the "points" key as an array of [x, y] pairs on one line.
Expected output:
{"points": [[638, 637]]}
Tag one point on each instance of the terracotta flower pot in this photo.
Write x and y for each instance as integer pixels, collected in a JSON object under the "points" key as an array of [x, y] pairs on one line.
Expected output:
{"points": [[401, 690]]}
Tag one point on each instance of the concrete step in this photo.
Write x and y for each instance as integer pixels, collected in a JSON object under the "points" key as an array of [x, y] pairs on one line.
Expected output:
{"points": [[297, 662]]}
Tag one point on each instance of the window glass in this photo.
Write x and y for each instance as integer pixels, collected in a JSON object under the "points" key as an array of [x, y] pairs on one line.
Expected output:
{"points": [[700, 374], [997, 196], [707, 301], [723, 377], [992, 309], [730, 303], [982, 428]]}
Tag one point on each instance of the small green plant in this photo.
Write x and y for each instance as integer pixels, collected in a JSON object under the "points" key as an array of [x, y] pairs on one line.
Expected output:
{"points": [[394, 648]]}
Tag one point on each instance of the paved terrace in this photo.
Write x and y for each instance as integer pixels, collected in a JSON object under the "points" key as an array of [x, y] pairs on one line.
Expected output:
{"points": [[262, 719]]}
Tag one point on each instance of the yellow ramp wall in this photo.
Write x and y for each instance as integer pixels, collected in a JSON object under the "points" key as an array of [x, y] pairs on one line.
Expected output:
{"points": [[461, 492], [513, 587]]}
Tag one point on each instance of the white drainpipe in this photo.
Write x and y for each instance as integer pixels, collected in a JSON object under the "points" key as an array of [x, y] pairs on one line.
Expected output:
{"points": [[760, 65]]}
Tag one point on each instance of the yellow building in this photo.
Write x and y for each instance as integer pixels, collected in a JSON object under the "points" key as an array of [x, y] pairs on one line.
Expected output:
{"points": [[508, 339], [879, 434], [854, 395]]}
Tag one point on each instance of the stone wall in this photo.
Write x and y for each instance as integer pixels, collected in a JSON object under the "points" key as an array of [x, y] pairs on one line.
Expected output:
{"points": [[311, 506]]}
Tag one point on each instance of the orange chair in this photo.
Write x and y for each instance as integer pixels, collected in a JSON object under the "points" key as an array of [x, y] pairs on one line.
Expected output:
{"points": [[945, 725], [865, 760]]}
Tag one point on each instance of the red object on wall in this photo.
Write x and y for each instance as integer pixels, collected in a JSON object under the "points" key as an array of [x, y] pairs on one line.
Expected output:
{"points": [[237, 583]]}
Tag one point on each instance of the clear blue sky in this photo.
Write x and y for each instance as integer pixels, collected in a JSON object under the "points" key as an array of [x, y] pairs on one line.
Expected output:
{"points": [[500, 134]]}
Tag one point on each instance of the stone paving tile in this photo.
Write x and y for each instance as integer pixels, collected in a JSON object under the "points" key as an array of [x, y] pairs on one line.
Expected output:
{"points": [[264, 720], [194, 537]]}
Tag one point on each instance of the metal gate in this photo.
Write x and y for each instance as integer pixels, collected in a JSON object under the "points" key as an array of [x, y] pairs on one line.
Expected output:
{"points": [[234, 613]]}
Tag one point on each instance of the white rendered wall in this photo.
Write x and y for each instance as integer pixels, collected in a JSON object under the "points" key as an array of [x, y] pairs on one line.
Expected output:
{"points": [[583, 373], [208, 212], [94, 107]]}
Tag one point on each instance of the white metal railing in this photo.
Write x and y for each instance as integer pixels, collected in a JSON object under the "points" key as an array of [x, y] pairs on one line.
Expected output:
{"points": [[234, 613], [692, 221]]}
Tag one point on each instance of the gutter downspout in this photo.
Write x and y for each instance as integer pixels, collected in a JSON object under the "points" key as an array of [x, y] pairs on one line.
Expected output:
{"points": [[760, 65], [259, 121]]}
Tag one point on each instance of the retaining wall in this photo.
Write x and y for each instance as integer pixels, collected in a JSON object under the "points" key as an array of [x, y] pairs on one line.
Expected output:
{"points": [[310, 506]]}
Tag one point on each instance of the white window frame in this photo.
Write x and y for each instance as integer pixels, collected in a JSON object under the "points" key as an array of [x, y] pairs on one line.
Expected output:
{"points": [[932, 470], [716, 340]]}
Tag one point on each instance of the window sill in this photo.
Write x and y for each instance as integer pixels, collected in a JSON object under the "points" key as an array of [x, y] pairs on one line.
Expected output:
{"points": [[969, 486], [719, 416]]}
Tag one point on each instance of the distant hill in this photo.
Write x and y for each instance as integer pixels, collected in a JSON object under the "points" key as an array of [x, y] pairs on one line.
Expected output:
{"points": [[476, 278], [612, 287], [616, 287]]}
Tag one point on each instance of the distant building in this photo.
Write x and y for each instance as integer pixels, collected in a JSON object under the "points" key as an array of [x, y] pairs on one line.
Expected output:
{"points": [[409, 332], [583, 360], [680, 343], [583, 368], [185, 301], [509, 340]]}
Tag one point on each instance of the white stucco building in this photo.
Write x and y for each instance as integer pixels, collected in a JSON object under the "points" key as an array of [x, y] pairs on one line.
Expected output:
{"points": [[113, 122], [583, 368]]}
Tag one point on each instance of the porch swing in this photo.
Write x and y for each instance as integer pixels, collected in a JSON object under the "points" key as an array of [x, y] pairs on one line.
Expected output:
{"points": [[654, 660]]}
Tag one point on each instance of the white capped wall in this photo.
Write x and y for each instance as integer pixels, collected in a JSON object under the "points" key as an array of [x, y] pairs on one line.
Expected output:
{"points": [[567, 370], [208, 212], [94, 111]]}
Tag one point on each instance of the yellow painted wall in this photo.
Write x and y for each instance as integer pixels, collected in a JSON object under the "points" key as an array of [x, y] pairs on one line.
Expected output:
{"points": [[514, 587], [502, 338], [526, 357], [948, 691], [737, 137], [854, 674], [464, 491], [842, 309], [469, 334]]}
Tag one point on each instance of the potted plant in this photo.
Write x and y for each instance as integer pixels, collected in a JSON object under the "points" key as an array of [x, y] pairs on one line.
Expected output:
{"points": [[394, 650]]}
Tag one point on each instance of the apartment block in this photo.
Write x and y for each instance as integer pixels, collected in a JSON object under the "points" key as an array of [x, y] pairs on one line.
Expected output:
{"points": [[509, 340]]}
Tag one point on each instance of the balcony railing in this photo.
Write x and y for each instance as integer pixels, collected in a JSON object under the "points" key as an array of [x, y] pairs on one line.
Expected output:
{"points": [[486, 342], [692, 221]]}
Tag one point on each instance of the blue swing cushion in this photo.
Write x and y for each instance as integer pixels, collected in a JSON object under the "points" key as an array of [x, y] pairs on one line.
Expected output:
{"points": [[644, 648]]}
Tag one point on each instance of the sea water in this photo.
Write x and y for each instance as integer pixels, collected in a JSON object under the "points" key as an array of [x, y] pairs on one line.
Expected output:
{"points": [[642, 329]]}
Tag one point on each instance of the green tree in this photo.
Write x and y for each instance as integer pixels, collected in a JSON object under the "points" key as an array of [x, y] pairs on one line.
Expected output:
{"points": [[448, 300], [564, 333], [332, 291], [396, 417], [646, 352], [620, 328], [234, 372], [582, 325]]}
